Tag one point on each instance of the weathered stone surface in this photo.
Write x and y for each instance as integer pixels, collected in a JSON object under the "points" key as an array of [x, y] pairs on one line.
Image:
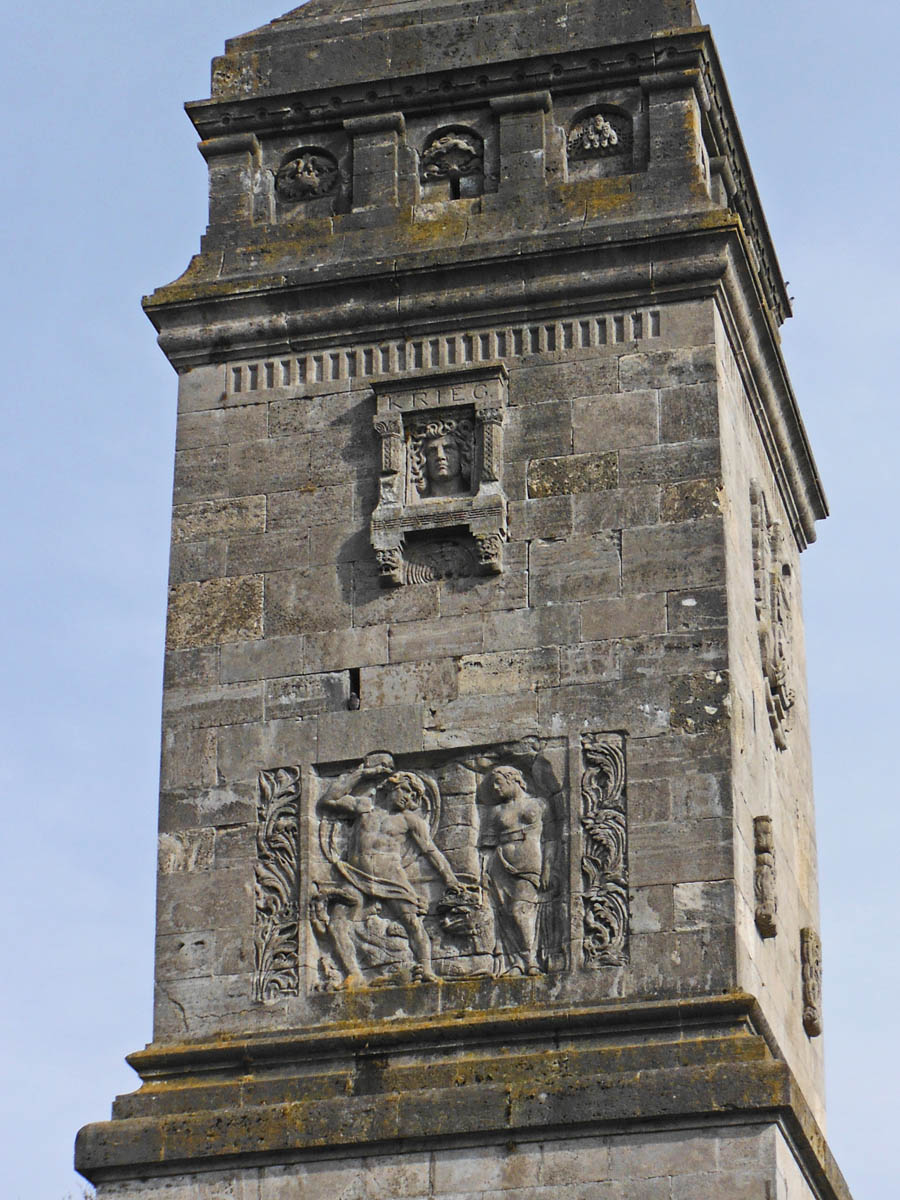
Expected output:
{"points": [[215, 611], [244, 514], [700, 702], [571, 474], [690, 500]]}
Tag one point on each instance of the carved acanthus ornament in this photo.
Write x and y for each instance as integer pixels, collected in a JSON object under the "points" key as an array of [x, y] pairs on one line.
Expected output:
{"points": [[764, 881], [811, 967], [773, 595], [277, 885], [604, 862]]}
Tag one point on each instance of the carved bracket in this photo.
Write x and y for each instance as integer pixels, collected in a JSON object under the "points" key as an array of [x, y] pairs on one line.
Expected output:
{"points": [[773, 584], [811, 967], [441, 510], [764, 882], [604, 861], [277, 886]]}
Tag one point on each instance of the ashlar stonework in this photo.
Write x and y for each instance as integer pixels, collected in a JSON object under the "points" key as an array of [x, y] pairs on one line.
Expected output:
{"points": [[487, 856]]}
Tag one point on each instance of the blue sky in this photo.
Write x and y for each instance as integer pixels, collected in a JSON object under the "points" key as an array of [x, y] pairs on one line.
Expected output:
{"points": [[104, 200]]}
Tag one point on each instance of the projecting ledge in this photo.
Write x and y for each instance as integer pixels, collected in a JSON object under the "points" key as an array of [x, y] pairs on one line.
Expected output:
{"points": [[281, 1098]]}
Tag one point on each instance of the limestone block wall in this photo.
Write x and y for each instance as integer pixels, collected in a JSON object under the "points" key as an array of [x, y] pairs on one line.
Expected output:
{"points": [[742, 1163], [770, 783], [608, 618]]}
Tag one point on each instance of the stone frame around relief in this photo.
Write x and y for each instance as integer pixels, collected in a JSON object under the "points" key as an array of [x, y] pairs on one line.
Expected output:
{"points": [[453, 870], [474, 519]]}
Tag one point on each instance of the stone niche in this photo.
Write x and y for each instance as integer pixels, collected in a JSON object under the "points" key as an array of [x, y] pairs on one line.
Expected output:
{"points": [[441, 511], [464, 864]]}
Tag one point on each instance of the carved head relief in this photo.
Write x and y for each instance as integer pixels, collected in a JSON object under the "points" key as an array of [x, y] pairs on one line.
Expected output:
{"points": [[441, 452], [306, 174], [405, 792]]}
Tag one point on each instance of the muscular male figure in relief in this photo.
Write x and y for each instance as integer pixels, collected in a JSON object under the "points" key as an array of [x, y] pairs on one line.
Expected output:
{"points": [[373, 863]]}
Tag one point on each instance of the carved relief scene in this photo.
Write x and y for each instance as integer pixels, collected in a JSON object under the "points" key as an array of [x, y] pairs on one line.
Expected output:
{"points": [[451, 869]]}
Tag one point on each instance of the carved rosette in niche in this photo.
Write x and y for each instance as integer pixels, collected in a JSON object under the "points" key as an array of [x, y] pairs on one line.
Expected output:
{"points": [[773, 584], [764, 882], [441, 510], [604, 860], [277, 885], [811, 967], [307, 174], [447, 867]]}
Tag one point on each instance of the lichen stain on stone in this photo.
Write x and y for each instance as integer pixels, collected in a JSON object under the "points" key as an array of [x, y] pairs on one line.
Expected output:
{"points": [[700, 703], [572, 474], [691, 500]]}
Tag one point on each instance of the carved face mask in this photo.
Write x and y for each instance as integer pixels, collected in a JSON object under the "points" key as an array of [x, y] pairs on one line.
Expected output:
{"points": [[442, 459]]}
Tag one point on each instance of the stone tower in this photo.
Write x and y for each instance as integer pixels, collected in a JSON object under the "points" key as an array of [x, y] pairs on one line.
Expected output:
{"points": [[487, 857]]}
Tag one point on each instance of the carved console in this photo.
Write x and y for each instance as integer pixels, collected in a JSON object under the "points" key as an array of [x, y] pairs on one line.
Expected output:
{"points": [[764, 881], [811, 970], [441, 510]]}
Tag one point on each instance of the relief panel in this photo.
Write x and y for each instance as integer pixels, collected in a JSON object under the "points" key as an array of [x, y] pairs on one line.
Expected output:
{"points": [[453, 868], [773, 587], [306, 181], [451, 165], [277, 885], [441, 511], [441, 866], [604, 862]]}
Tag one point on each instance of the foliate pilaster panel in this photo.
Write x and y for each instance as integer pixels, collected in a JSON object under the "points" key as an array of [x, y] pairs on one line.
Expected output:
{"points": [[604, 861], [774, 599], [277, 885]]}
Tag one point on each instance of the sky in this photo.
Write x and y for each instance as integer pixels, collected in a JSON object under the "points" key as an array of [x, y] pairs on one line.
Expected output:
{"points": [[105, 200]]}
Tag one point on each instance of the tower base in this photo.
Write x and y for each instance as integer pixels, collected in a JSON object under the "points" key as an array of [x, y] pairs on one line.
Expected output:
{"points": [[664, 1101]]}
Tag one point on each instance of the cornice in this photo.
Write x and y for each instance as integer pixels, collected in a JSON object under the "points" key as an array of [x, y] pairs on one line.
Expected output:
{"points": [[538, 277], [675, 1064], [685, 59]]}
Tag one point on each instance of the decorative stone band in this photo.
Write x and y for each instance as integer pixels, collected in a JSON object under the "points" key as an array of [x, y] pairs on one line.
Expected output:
{"points": [[446, 351]]}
